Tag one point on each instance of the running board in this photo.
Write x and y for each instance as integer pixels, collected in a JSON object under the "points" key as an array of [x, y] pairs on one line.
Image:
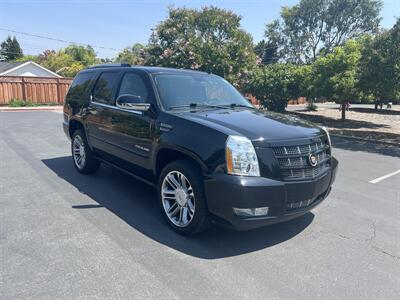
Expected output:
{"points": [[127, 172]]}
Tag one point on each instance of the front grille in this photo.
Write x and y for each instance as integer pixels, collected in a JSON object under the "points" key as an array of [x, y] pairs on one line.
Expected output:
{"points": [[294, 160]]}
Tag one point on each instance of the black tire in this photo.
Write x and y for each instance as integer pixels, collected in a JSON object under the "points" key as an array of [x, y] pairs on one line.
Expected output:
{"points": [[90, 165], [201, 219]]}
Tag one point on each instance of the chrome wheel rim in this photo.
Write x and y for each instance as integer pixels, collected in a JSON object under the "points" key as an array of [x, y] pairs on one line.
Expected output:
{"points": [[178, 199], [78, 151]]}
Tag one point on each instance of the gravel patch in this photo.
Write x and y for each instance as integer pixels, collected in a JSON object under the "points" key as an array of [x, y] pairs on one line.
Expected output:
{"points": [[382, 125]]}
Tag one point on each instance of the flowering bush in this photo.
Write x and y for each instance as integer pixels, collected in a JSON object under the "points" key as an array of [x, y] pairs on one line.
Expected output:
{"points": [[209, 40]]}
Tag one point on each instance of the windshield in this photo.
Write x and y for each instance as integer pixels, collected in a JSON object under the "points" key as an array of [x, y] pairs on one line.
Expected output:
{"points": [[189, 90]]}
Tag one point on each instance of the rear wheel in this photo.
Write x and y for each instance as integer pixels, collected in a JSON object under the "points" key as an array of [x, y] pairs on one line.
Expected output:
{"points": [[182, 198], [82, 156]]}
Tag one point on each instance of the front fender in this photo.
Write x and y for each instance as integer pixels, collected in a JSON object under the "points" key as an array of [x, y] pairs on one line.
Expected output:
{"points": [[203, 144]]}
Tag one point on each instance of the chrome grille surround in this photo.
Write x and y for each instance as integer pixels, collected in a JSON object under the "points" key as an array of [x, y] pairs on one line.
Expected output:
{"points": [[294, 160]]}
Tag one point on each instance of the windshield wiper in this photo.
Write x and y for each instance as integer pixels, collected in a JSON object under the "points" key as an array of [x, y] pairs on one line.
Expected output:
{"points": [[195, 105], [233, 105]]}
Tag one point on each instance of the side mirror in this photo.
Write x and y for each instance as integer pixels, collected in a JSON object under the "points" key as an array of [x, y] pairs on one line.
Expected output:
{"points": [[131, 102]]}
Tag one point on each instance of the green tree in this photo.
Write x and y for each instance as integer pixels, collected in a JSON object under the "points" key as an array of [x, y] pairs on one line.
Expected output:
{"points": [[335, 75], [380, 65], [267, 52], [10, 49], [60, 62], [24, 58], [315, 26], [275, 84], [44, 56], [134, 55], [85, 55], [69, 61], [209, 39]]}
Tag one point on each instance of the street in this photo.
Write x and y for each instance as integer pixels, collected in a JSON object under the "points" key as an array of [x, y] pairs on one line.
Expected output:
{"points": [[66, 236]]}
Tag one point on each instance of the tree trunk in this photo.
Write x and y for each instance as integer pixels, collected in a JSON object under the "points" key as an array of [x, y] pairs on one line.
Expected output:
{"points": [[343, 111]]}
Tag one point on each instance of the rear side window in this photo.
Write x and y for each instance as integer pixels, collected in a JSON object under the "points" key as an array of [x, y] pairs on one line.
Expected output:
{"points": [[80, 86], [133, 84], [103, 90]]}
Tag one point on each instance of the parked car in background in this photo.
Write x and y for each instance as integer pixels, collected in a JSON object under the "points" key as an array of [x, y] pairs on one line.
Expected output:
{"points": [[213, 157]]}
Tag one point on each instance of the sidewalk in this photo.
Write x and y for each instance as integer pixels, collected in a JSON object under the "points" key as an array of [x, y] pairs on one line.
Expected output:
{"points": [[31, 108]]}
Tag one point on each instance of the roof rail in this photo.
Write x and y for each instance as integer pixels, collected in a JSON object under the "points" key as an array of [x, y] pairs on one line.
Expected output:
{"points": [[108, 66]]}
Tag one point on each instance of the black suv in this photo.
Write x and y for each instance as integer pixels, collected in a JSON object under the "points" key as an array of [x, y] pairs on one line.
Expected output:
{"points": [[213, 157]]}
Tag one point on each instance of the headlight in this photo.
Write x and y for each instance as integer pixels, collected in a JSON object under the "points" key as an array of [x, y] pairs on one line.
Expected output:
{"points": [[329, 137], [241, 158]]}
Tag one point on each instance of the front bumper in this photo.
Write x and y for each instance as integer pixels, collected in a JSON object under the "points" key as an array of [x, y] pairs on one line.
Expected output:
{"points": [[286, 200]]}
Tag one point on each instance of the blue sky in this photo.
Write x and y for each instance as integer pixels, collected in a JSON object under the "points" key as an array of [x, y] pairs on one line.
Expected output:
{"points": [[119, 23]]}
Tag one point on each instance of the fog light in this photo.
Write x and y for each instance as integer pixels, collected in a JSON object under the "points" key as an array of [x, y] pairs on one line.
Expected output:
{"points": [[251, 212], [261, 211]]}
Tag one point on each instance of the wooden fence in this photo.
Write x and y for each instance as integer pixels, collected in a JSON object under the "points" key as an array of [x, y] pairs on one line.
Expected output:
{"points": [[33, 89]]}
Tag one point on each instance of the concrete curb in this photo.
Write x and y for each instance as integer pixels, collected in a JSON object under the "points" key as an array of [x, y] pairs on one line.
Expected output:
{"points": [[364, 140], [31, 108]]}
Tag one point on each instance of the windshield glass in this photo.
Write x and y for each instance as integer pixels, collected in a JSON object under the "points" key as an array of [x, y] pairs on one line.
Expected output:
{"points": [[184, 90]]}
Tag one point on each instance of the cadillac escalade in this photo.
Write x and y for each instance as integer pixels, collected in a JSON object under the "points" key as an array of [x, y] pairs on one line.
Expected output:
{"points": [[213, 157]]}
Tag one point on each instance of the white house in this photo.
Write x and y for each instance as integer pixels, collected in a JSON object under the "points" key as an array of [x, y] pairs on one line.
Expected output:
{"points": [[27, 68]]}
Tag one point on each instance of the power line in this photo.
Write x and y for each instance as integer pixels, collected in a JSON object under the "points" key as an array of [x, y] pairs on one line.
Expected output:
{"points": [[58, 40], [82, 44]]}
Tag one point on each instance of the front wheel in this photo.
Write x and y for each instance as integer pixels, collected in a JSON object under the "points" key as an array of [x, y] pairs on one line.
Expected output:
{"points": [[82, 156], [182, 198]]}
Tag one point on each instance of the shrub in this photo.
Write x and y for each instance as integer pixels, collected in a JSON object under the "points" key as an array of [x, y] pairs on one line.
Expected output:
{"points": [[21, 103], [273, 85], [312, 106], [17, 103]]}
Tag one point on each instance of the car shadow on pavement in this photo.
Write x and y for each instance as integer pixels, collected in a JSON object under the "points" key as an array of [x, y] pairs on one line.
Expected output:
{"points": [[366, 146], [136, 204]]}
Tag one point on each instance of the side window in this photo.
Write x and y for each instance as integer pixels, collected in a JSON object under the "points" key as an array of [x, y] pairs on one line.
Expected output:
{"points": [[133, 84], [103, 90], [80, 86]]}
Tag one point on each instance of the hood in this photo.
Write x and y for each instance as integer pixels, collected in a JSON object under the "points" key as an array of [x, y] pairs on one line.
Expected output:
{"points": [[261, 127]]}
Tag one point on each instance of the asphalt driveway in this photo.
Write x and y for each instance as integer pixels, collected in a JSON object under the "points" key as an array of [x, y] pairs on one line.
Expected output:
{"points": [[66, 236]]}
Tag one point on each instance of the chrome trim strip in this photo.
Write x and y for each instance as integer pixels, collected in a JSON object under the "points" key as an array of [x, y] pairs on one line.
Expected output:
{"points": [[165, 125], [116, 108]]}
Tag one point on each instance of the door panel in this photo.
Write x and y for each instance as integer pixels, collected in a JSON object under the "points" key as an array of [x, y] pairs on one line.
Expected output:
{"points": [[98, 117], [124, 135], [131, 133], [132, 130]]}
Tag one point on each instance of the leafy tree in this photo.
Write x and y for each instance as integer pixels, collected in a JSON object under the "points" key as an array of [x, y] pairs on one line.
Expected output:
{"points": [[209, 39], [59, 62], [259, 48], [69, 61], [274, 85], [335, 75], [380, 65], [106, 60], [267, 52], [10, 49], [44, 56], [313, 26], [134, 55], [27, 58], [84, 55]]}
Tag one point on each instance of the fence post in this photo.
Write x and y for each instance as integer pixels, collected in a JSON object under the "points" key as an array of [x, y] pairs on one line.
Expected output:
{"points": [[23, 88], [58, 91]]}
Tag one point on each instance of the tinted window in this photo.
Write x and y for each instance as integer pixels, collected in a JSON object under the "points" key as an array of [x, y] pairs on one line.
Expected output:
{"points": [[133, 84], [103, 90], [80, 85], [180, 90]]}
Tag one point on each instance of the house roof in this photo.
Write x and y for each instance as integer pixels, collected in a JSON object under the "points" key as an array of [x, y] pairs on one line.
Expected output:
{"points": [[6, 67]]}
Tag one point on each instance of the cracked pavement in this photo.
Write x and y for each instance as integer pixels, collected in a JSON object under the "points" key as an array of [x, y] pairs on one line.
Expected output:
{"points": [[68, 236]]}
